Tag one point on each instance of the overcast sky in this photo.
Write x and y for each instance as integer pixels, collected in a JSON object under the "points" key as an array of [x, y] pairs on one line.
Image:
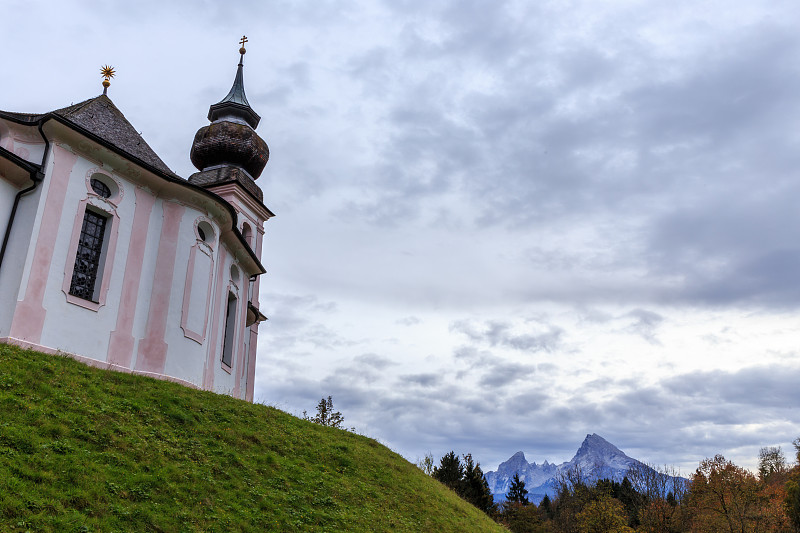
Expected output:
{"points": [[500, 225]]}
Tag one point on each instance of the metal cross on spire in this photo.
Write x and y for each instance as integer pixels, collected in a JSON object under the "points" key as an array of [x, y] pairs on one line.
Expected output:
{"points": [[242, 50]]}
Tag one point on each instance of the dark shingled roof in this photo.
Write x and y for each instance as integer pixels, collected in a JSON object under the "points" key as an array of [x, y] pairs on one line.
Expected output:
{"points": [[235, 103], [236, 94], [228, 174], [101, 117]]}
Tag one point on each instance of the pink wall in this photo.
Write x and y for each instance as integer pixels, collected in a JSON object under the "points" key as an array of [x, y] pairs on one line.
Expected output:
{"points": [[121, 342], [152, 353], [29, 315], [217, 317]]}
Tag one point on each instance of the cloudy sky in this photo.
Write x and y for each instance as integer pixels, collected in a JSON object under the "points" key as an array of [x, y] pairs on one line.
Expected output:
{"points": [[501, 225]]}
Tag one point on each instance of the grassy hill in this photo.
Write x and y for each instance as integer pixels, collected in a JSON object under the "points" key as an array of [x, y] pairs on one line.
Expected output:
{"points": [[83, 449]]}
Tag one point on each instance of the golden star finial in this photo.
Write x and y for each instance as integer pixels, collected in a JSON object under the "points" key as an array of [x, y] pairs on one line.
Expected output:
{"points": [[107, 72]]}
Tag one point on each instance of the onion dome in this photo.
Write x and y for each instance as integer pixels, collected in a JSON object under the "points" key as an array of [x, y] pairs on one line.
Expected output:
{"points": [[230, 145]]}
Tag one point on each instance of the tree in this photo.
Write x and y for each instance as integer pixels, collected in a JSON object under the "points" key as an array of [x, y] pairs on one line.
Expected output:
{"points": [[466, 480], [450, 471], [426, 464], [523, 518], [625, 493], [546, 506], [660, 490], [325, 414], [792, 487], [792, 500], [771, 462], [604, 515], [474, 487], [572, 495], [517, 493], [725, 497], [654, 482], [518, 514], [661, 516]]}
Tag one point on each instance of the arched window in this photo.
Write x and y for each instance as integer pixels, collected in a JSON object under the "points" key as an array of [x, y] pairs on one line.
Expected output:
{"points": [[230, 331], [247, 233], [89, 255]]}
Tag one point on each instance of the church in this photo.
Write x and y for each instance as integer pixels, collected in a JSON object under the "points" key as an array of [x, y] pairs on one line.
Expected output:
{"points": [[111, 258]]}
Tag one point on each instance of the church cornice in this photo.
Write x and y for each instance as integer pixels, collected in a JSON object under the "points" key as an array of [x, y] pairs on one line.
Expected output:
{"points": [[169, 177], [17, 169]]}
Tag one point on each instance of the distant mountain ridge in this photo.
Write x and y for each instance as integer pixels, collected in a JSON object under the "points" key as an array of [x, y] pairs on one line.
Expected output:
{"points": [[595, 459]]}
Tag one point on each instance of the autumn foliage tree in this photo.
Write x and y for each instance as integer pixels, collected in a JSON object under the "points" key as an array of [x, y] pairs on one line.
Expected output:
{"points": [[573, 493], [660, 492], [772, 464], [792, 488], [725, 497], [603, 515]]}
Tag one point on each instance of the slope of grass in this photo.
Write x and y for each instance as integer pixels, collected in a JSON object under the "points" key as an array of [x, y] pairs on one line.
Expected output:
{"points": [[83, 449]]}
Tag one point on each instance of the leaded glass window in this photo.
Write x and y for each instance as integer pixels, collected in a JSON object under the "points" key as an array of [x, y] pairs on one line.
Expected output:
{"points": [[87, 258], [100, 188], [230, 330]]}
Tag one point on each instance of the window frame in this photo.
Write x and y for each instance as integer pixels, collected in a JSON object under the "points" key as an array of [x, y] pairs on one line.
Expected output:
{"points": [[230, 330], [105, 207], [205, 242], [96, 244]]}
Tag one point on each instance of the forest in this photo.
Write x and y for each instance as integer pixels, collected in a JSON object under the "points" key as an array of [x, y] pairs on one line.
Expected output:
{"points": [[718, 497]]}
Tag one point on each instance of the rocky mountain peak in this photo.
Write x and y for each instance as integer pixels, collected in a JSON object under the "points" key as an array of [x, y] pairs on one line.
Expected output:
{"points": [[516, 462], [596, 446], [596, 458]]}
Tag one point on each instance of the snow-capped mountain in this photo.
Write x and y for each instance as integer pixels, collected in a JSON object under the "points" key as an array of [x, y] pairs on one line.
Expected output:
{"points": [[596, 459]]}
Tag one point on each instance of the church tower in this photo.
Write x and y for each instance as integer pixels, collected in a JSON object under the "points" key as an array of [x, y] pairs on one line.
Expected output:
{"points": [[229, 150], [230, 156]]}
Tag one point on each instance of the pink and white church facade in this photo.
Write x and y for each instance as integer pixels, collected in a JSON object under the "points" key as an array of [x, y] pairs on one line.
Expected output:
{"points": [[110, 257]]}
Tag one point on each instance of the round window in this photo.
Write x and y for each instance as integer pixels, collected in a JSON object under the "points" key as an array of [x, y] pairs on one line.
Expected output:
{"points": [[100, 188], [205, 232]]}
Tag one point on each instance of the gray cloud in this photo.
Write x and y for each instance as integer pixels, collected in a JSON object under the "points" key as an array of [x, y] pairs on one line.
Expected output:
{"points": [[422, 380], [505, 374], [497, 333], [646, 324], [408, 321], [376, 361]]}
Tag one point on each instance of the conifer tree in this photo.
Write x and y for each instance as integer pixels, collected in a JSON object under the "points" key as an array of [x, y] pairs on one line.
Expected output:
{"points": [[546, 506], [450, 471], [474, 487], [517, 493], [326, 416]]}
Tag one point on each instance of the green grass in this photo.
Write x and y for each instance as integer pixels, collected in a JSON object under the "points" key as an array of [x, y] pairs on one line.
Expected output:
{"points": [[83, 449]]}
